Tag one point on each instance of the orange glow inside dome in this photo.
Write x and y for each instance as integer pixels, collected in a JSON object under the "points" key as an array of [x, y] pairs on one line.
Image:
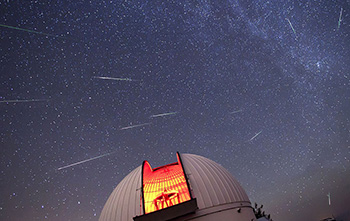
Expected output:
{"points": [[164, 186]]}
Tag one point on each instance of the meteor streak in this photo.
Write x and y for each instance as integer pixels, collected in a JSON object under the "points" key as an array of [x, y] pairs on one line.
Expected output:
{"points": [[291, 26], [114, 79], [340, 20], [329, 198], [164, 114], [255, 136], [23, 101], [84, 161], [237, 111], [133, 126], [31, 31]]}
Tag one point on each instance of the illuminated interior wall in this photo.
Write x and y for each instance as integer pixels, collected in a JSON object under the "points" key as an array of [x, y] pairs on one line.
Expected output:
{"points": [[164, 186]]}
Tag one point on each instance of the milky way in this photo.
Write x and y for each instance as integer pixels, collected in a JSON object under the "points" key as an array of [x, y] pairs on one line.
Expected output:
{"points": [[261, 87]]}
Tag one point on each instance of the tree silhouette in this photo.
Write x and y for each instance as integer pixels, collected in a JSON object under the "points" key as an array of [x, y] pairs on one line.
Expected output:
{"points": [[259, 213]]}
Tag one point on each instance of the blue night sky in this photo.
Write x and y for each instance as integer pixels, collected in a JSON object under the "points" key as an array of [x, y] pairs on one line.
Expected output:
{"points": [[260, 87]]}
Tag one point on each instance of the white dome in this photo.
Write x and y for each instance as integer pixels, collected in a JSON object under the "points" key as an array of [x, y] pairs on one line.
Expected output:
{"points": [[124, 202], [210, 183]]}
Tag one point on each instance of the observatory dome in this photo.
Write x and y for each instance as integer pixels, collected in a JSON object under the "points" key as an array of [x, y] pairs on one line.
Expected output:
{"points": [[193, 188]]}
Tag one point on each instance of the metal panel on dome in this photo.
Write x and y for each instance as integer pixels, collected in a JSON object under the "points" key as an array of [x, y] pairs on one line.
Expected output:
{"points": [[211, 184], [124, 202]]}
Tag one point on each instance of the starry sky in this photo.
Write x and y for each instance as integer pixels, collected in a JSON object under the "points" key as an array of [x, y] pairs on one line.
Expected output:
{"points": [[261, 87]]}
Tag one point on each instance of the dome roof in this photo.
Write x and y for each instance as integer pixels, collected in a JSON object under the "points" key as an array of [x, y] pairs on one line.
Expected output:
{"points": [[209, 182]]}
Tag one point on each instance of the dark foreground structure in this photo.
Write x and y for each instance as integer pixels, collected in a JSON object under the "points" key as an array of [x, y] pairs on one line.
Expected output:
{"points": [[193, 188]]}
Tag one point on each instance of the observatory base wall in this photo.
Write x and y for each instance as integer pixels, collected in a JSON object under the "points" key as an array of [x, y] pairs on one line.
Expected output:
{"points": [[230, 212]]}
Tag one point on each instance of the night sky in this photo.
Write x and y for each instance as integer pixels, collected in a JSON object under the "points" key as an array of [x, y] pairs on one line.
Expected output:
{"points": [[261, 87]]}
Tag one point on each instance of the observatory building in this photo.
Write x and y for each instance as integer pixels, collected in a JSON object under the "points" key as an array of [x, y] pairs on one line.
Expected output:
{"points": [[193, 188]]}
